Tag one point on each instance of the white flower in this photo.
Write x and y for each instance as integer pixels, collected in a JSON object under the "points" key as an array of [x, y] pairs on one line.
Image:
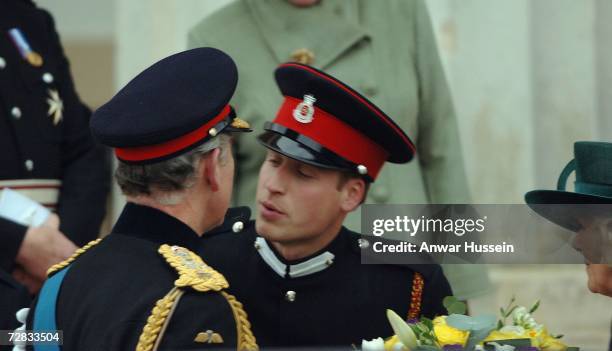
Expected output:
{"points": [[514, 329], [499, 347], [523, 318], [377, 344], [21, 316], [402, 330]]}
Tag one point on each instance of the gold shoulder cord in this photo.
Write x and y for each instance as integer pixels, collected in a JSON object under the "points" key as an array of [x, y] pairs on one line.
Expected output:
{"points": [[246, 339], [69, 260], [195, 274], [158, 321]]}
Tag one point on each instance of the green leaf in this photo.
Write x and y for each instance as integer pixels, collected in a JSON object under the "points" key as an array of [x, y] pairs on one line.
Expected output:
{"points": [[502, 312], [558, 336], [499, 325], [428, 322], [511, 310], [467, 323], [454, 306], [534, 307]]}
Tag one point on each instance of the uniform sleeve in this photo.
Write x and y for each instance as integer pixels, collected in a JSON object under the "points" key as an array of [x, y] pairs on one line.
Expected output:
{"points": [[12, 236], [85, 164], [438, 143], [14, 297]]}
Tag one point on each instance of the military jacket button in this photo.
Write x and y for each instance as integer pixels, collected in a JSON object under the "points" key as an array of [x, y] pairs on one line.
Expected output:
{"points": [[16, 112], [290, 295], [237, 227], [363, 243], [47, 78], [29, 165], [2, 63]]}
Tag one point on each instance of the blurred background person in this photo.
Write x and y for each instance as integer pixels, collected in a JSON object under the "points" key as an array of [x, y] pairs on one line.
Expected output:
{"points": [[46, 150], [388, 52]]}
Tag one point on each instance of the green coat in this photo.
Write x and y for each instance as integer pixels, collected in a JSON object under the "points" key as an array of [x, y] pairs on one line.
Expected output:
{"points": [[387, 51]]}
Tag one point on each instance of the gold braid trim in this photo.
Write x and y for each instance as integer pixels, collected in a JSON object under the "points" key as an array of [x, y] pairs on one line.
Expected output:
{"points": [[246, 339], [69, 260], [416, 296], [157, 321], [193, 272]]}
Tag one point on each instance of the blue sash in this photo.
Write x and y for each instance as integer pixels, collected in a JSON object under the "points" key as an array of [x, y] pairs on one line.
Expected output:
{"points": [[44, 316]]}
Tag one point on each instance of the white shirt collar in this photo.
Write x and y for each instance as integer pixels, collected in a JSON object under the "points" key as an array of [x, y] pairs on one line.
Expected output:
{"points": [[310, 266]]}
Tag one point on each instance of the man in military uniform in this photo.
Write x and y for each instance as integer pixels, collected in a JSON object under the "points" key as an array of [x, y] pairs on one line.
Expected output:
{"points": [[386, 50], [46, 150], [297, 270], [142, 287]]}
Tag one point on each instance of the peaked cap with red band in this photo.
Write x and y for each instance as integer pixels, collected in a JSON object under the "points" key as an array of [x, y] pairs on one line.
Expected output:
{"points": [[324, 122], [172, 107]]}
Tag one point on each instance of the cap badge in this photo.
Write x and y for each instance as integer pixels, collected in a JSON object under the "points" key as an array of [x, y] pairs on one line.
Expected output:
{"points": [[305, 110]]}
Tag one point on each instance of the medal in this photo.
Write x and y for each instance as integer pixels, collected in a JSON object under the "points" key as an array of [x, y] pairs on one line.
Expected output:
{"points": [[24, 48]]}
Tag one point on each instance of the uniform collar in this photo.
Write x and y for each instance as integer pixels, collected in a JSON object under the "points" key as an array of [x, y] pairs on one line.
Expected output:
{"points": [[154, 225], [326, 29], [315, 263]]}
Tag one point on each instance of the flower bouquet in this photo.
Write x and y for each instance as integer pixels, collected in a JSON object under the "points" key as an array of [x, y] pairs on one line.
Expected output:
{"points": [[516, 330]]}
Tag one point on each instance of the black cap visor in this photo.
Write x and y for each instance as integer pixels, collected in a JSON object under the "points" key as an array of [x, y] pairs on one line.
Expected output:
{"points": [[301, 148]]}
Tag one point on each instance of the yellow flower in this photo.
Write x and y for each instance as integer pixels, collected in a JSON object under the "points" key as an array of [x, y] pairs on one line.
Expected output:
{"points": [[539, 337], [547, 343], [394, 344], [447, 335], [508, 333]]}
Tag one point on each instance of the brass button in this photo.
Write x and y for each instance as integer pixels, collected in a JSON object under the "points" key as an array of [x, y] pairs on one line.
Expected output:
{"points": [[303, 56], [2, 63]]}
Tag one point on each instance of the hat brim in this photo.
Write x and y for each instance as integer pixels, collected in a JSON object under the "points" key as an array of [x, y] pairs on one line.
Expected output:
{"points": [[565, 208], [294, 150]]}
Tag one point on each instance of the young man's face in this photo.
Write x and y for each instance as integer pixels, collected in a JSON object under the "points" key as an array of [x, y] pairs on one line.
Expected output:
{"points": [[298, 203]]}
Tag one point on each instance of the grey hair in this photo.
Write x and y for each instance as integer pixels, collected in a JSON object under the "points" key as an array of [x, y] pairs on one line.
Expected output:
{"points": [[167, 180]]}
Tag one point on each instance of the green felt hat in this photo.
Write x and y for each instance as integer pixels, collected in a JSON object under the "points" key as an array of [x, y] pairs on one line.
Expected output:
{"points": [[592, 189]]}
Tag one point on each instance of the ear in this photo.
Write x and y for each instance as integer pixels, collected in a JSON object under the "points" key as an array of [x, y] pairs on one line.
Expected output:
{"points": [[353, 192], [209, 167]]}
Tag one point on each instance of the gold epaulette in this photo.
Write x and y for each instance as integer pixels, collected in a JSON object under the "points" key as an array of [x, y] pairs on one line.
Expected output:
{"points": [[193, 272], [69, 260]]}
